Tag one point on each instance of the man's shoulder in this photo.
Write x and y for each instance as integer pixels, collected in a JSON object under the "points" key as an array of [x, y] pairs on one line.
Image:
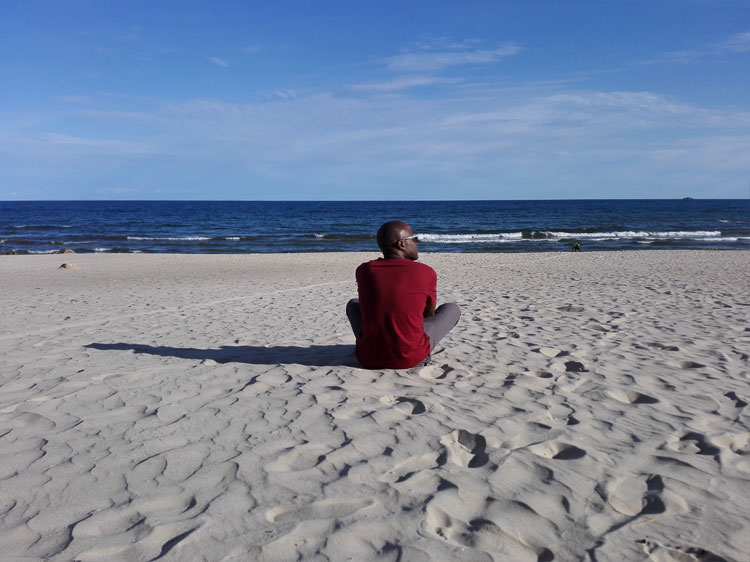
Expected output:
{"points": [[423, 266], [395, 262], [420, 267], [387, 267], [368, 265]]}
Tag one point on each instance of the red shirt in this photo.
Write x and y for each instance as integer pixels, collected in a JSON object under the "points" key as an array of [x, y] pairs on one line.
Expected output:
{"points": [[393, 295]]}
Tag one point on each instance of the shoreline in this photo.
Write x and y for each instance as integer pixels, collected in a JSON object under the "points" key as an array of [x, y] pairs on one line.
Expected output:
{"points": [[645, 248], [209, 407]]}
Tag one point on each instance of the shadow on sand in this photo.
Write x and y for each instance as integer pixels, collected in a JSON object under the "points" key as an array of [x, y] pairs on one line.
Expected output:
{"points": [[314, 356]]}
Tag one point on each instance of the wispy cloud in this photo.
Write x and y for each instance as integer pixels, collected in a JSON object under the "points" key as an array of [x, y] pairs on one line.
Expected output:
{"points": [[402, 84], [459, 137], [219, 62], [519, 137], [432, 57], [282, 95], [737, 43], [58, 145]]}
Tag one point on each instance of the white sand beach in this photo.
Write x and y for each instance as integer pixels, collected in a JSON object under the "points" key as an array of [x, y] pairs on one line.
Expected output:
{"points": [[588, 406]]}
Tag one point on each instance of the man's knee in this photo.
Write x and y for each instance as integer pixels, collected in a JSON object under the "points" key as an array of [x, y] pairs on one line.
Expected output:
{"points": [[354, 315], [449, 310]]}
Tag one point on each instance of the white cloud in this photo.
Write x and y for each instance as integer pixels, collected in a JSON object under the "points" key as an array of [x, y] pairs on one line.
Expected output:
{"points": [[678, 57], [461, 135], [55, 147], [428, 58], [219, 62], [94, 145], [735, 44], [282, 94], [524, 135], [401, 84]]}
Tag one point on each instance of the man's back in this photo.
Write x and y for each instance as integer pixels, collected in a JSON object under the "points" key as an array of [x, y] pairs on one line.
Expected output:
{"points": [[393, 297]]}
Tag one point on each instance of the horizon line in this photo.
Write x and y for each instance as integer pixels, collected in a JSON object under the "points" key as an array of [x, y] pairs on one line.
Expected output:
{"points": [[686, 198]]}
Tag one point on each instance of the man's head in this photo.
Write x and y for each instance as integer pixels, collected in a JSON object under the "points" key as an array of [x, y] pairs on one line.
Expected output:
{"points": [[396, 240]]}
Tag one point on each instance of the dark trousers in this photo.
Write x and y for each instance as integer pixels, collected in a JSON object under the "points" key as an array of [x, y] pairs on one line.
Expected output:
{"points": [[436, 327]]}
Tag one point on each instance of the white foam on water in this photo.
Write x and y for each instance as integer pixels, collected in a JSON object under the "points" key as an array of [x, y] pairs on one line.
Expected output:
{"points": [[553, 235], [635, 234], [42, 226], [471, 238], [185, 238], [724, 239]]}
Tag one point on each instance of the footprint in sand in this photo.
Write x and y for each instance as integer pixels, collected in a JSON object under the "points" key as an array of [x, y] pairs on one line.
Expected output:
{"points": [[434, 372], [574, 367], [738, 443], [465, 449], [551, 352], [570, 308], [539, 374], [663, 347], [663, 553], [730, 406], [557, 450], [324, 509], [636, 495], [691, 442], [631, 396], [738, 402], [300, 457], [409, 406], [407, 468], [483, 536], [690, 365]]}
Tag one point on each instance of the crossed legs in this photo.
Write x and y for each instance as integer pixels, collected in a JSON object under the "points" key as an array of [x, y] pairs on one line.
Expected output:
{"points": [[436, 327]]}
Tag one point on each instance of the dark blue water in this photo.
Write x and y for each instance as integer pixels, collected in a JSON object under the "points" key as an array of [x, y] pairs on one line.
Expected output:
{"points": [[443, 226]]}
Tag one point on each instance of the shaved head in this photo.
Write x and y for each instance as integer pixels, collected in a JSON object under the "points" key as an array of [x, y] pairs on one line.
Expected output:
{"points": [[390, 233], [393, 243]]}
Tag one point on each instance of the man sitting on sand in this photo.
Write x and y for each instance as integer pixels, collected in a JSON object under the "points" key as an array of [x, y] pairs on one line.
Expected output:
{"points": [[394, 319]]}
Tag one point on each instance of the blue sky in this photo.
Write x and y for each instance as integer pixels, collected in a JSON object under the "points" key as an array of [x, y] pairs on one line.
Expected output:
{"points": [[374, 100]]}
